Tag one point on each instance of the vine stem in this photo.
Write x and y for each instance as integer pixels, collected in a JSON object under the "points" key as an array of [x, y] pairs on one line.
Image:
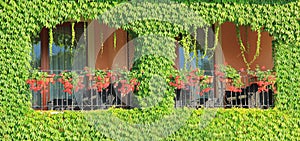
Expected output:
{"points": [[50, 44], [195, 47], [238, 33], [50, 41], [216, 41], [115, 40], [243, 49], [101, 40], [73, 34], [186, 45], [257, 46], [205, 41]]}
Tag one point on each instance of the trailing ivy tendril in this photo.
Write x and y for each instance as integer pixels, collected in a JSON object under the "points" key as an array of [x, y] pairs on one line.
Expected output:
{"points": [[217, 29], [115, 40], [73, 35], [243, 49], [50, 41], [205, 41]]}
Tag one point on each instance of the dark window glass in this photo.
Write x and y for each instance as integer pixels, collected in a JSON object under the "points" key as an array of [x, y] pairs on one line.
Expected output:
{"points": [[36, 53]]}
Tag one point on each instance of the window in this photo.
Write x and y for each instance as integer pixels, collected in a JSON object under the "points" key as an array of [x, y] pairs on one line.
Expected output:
{"points": [[73, 54], [64, 56]]}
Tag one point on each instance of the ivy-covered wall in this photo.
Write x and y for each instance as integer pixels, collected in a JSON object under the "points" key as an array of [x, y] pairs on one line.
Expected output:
{"points": [[227, 124], [21, 20]]}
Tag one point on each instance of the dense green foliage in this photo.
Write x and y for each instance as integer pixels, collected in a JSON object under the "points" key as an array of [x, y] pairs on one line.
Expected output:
{"points": [[228, 124], [24, 19], [247, 1], [287, 70], [153, 64]]}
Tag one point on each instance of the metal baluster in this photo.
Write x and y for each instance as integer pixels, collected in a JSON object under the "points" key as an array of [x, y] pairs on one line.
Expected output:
{"points": [[268, 99]]}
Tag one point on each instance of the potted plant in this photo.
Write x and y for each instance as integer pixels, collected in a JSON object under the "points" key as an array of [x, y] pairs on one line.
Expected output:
{"points": [[186, 79], [101, 79], [71, 81], [126, 82], [262, 86], [39, 81], [233, 84], [231, 77], [264, 78], [190, 87]]}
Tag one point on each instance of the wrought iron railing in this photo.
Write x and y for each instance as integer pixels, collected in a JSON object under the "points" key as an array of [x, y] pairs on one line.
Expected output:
{"points": [[248, 96], [90, 98]]}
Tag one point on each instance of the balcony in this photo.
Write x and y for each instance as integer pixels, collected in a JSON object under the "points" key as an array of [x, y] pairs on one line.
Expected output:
{"points": [[90, 91]]}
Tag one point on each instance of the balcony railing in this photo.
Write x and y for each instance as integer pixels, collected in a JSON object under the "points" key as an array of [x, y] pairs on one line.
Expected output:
{"points": [[250, 95], [91, 97]]}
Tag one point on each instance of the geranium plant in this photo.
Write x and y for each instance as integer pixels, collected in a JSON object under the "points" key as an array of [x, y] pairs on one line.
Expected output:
{"points": [[71, 81], [102, 79], [264, 78], [126, 82], [187, 79], [39, 81], [231, 76]]}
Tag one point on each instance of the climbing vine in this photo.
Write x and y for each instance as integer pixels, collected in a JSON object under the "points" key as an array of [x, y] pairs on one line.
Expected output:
{"points": [[101, 40], [217, 29], [115, 40], [205, 41], [243, 48], [186, 43], [20, 20], [73, 35], [50, 42], [287, 30]]}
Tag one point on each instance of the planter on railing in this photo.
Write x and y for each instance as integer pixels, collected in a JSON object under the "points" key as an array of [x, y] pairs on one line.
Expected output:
{"points": [[192, 88], [261, 89]]}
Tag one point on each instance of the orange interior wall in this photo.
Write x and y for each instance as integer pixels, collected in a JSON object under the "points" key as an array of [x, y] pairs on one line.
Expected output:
{"points": [[229, 42], [105, 56], [231, 48], [265, 58]]}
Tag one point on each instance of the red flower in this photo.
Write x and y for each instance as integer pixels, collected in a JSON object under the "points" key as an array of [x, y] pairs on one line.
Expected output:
{"points": [[108, 74], [206, 90], [260, 83], [28, 81], [234, 89]]}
